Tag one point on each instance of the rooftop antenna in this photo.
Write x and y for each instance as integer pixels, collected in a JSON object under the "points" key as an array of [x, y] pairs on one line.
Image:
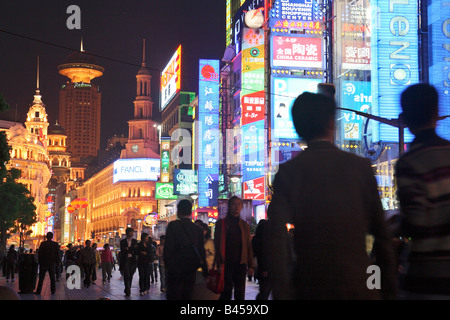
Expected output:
{"points": [[143, 53], [81, 46]]}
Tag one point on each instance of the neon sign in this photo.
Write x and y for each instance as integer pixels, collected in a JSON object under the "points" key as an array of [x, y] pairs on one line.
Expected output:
{"points": [[208, 129], [136, 170], [439, 71], [395, 45], [171, 79]]}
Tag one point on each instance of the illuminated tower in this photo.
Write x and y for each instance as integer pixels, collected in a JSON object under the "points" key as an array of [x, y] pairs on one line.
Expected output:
{"points": [[143, 140], [80, 104]]}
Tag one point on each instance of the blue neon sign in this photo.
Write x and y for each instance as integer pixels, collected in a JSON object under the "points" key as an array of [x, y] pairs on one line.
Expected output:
{"points": [[395, 54], [357, 96], [439, 70], [208, 129]]}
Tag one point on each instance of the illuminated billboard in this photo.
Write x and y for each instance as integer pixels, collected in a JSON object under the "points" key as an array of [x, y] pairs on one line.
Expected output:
{"points": [[238, 22], [395, 58], [285, 90], [356, 95], [165, 159], [296, 52], [185, 181], [439, 70], [296, 14], [254, 189], [144, 169], [208, 132], [355, 33], [164, 191], [171, 79], [253, 104]]}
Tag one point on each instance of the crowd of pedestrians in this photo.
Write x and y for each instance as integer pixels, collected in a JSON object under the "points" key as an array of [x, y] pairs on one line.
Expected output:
{"points": [[330, 200]]}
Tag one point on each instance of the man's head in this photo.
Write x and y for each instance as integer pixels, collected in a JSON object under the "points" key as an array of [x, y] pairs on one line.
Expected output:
{"points": [[234, 206], [419, 104], [184, 208], [49, 235], [129, 232], [314, 116], [87, 243]]}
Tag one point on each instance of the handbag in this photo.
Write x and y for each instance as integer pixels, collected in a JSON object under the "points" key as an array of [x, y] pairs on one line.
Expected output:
{"points": [[215, 281]]}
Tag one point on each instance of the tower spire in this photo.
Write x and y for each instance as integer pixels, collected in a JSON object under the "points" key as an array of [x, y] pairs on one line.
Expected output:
{"points": [[81, 45], [143, 53], [37, 77], [37, 96]]}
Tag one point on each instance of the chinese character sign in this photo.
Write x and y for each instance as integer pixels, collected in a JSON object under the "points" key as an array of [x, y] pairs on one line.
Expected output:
{"points": [[165, 160], [208, 132], [253, 104], [292, 51]]}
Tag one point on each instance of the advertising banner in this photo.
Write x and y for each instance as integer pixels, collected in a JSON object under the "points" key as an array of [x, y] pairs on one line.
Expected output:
{"points": [[136, 170], [165, 159], [208, 132], [439, 70], [185, 181], [357, 96], [254, 189], [164, 191], [395, 59], [289, 13], [285, 90], [296, 52], [253, 105], [355, 34]]}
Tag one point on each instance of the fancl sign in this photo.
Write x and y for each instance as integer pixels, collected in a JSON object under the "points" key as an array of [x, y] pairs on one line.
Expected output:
{"points": [[395, 58], [136, 170]]}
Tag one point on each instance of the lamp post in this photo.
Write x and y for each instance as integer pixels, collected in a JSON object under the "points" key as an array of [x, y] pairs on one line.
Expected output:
{"points": [[194, 196], [139, 220], [235, 178]]}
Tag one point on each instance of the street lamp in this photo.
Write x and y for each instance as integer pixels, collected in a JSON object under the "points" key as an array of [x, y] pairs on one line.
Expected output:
{"points": [[235, 178], [139, 220], [194, 196]]}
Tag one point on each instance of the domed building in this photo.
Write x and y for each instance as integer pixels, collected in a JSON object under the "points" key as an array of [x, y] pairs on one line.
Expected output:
{"points": [[29, 154]]}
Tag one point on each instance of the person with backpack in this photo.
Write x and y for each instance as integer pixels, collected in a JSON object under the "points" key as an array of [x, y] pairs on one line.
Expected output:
{"points": [[184, 253]]}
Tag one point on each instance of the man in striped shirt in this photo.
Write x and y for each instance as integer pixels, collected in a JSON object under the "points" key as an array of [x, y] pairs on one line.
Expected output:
{"points": [[423, 177]]}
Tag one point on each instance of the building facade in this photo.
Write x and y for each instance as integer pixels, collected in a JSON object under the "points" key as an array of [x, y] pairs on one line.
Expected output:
{"points": [[122, 193]]}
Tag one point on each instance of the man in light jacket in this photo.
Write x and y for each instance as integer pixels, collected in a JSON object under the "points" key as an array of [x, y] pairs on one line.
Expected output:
{"points": [[237, 259]]}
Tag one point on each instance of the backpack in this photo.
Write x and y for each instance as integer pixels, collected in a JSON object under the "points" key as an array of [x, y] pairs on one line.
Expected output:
{"points": [[186, 258]]}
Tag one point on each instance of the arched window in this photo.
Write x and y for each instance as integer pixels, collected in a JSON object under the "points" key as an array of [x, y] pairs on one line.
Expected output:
{"points": [[140, 134]]}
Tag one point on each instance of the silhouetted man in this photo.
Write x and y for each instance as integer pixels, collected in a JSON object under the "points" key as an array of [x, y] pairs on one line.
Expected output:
{"points": [[423, 177], [128, 259], [48, 258], [184, 253], [331, 198]]}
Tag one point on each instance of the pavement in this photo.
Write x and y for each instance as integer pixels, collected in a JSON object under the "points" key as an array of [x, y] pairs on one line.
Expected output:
{"points": [[98, 291]]}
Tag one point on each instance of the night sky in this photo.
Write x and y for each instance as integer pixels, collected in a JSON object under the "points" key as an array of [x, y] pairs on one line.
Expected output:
{"points": [[112, 30]]}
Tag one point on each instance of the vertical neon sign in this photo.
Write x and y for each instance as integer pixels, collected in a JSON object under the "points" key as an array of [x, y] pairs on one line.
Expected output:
{"points": [[208, 128], [439, 71], [395, 58]]}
